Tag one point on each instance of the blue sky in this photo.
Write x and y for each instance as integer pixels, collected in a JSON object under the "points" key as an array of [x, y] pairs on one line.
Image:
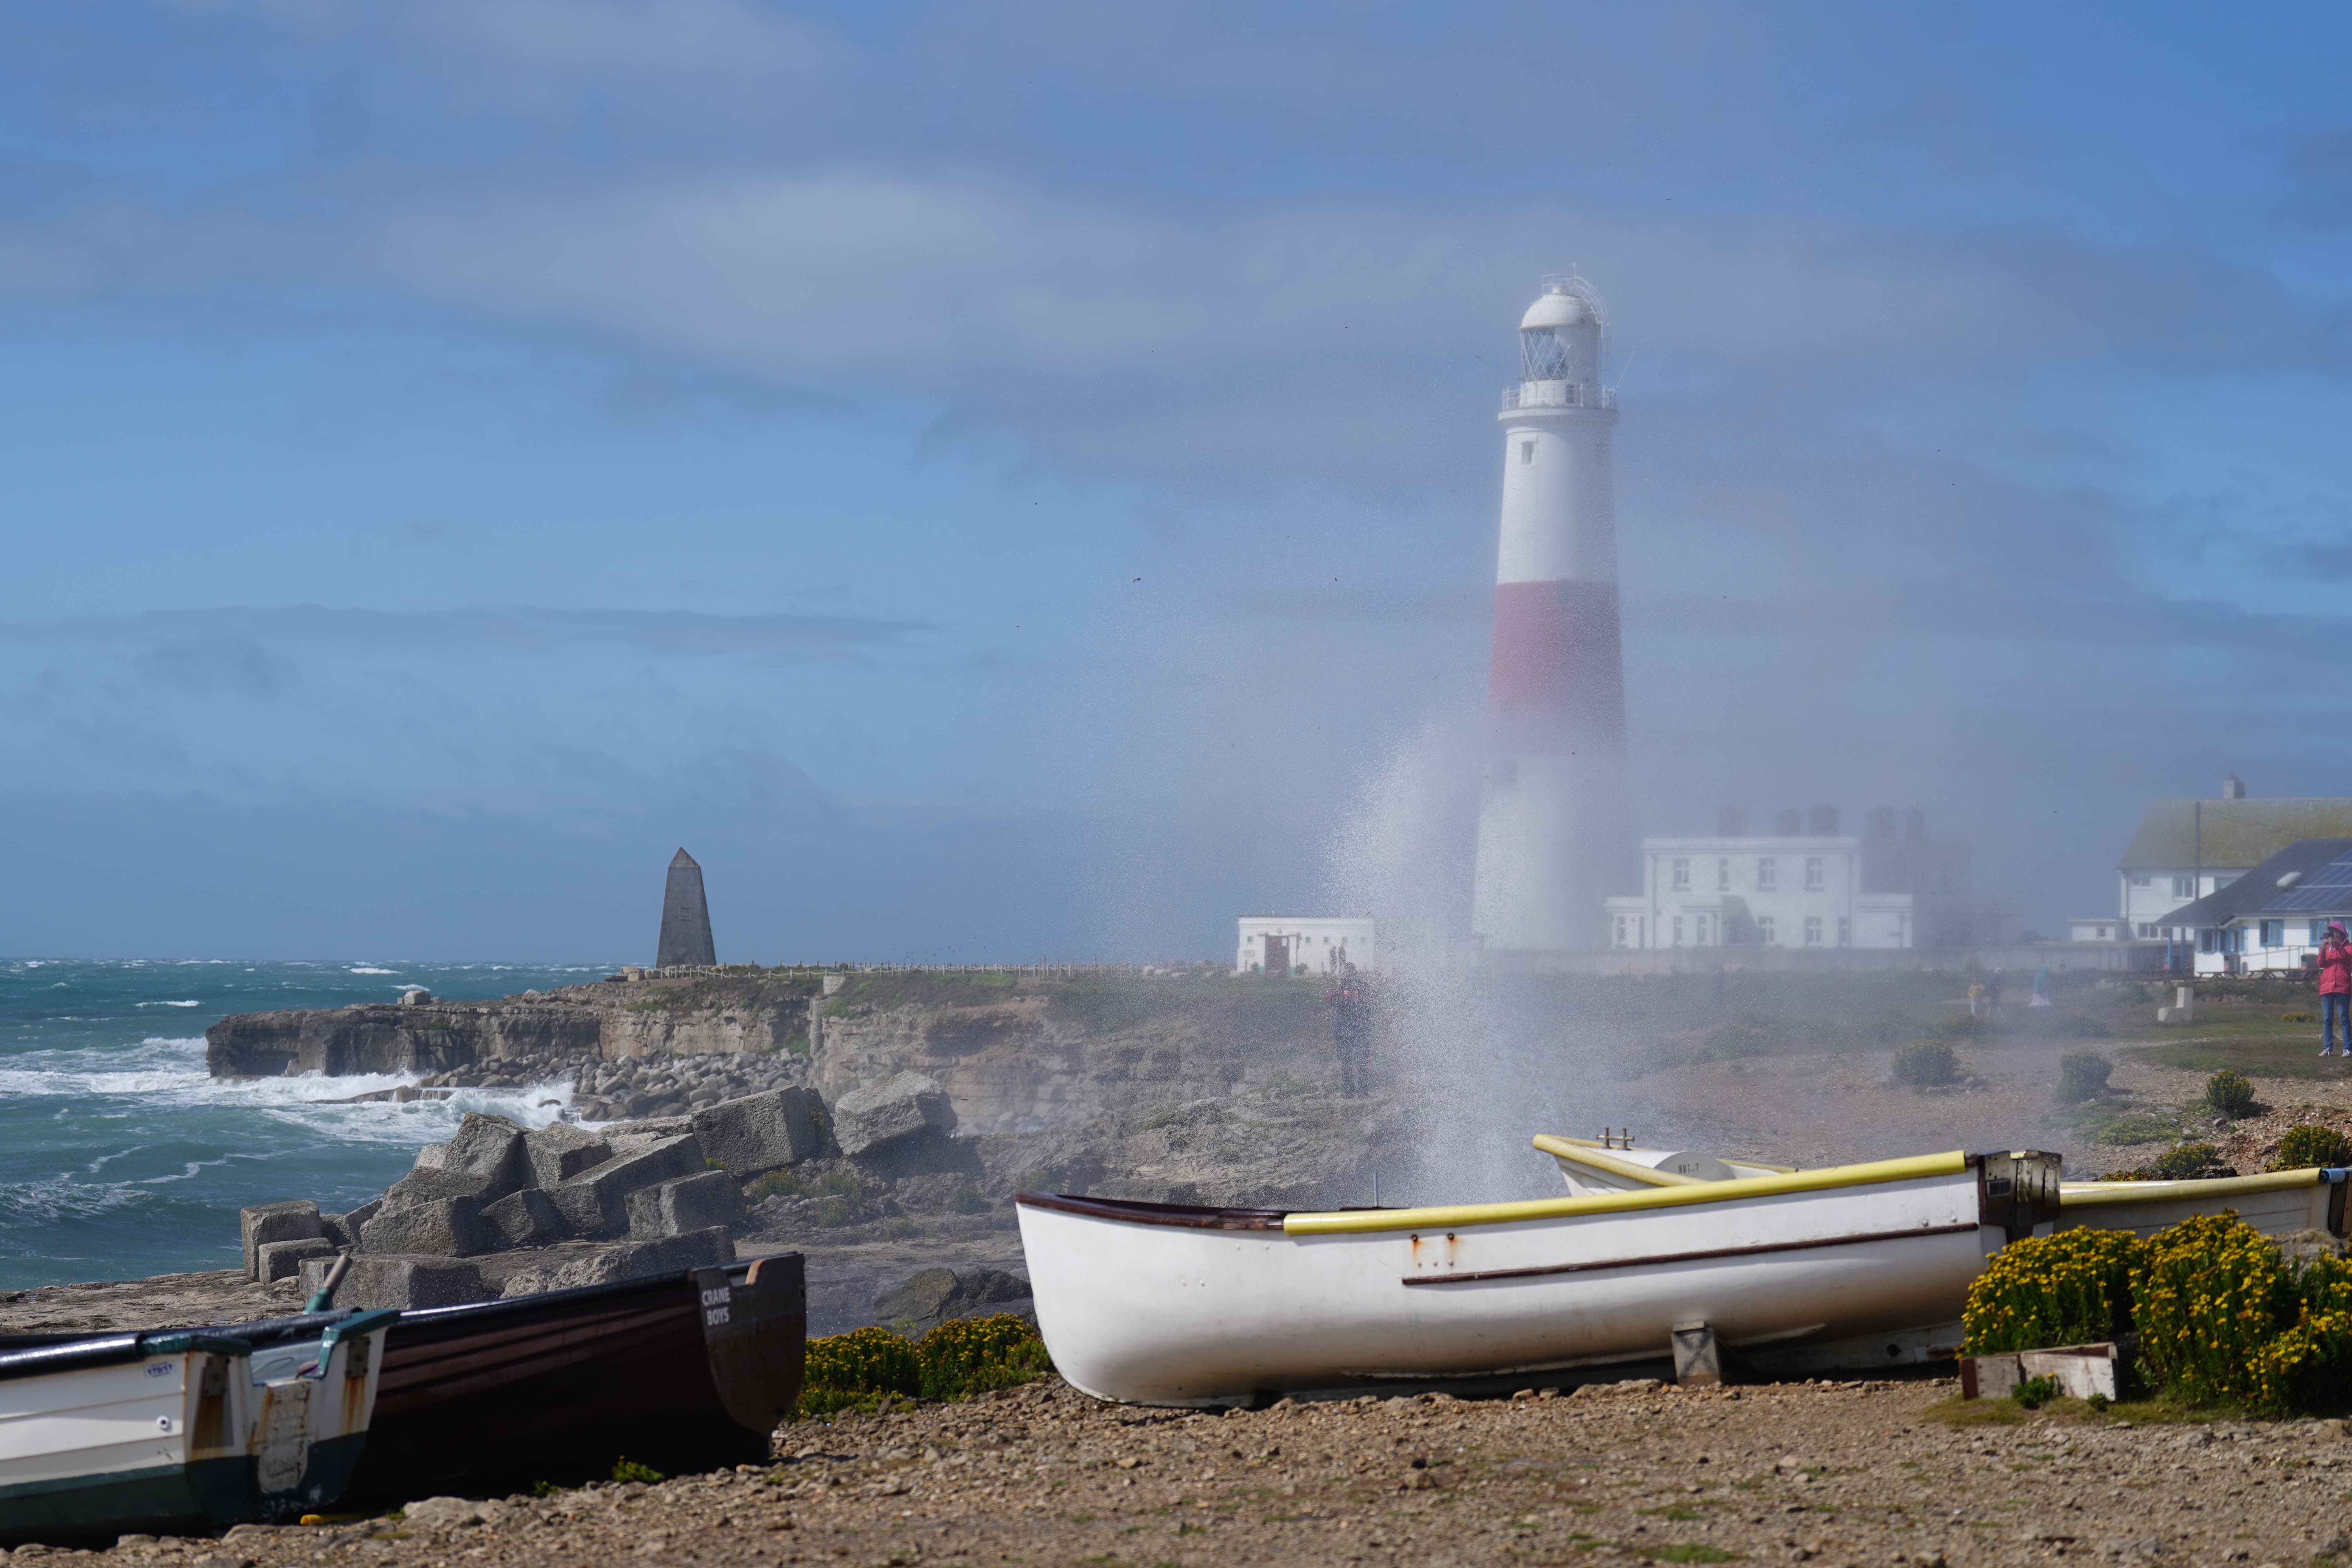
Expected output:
{"points": [[1016, 481]]}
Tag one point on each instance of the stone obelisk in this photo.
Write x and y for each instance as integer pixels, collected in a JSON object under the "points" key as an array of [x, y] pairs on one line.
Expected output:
{"points": [[686, 917]]}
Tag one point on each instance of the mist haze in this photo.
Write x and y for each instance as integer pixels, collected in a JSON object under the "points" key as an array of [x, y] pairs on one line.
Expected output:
{"points": [[1022, 482]]}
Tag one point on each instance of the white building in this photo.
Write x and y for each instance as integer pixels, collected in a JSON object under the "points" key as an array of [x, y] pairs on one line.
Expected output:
{"points": [[1805, 885], [2272, 919], [2189, 849], [1286, 944]]}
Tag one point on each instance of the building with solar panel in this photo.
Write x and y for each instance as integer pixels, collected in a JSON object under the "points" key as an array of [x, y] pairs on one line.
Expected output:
{"points": [[2272, 918], [2185, 850]]}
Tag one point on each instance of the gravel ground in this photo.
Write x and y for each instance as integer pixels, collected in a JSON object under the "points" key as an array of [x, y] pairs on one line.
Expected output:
{"points": [[1829, 1473]]}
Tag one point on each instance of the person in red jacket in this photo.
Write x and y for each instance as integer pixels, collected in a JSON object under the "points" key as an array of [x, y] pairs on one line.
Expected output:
{"points": [[2335, 989]]}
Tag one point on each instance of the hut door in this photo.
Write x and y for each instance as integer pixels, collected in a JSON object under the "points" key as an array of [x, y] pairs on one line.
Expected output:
{"points": [[1277, 955]]}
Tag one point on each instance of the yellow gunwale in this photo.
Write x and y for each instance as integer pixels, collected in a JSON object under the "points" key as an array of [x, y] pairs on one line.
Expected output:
{"points": [[1358, 1221], [2095, 1195]]}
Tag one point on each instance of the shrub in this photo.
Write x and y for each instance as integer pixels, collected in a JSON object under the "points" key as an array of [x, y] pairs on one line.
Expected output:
{"points": [[625, 1469], [972, 1355], [2229, 1093], [2307, 1146], [2210, 1295], [2033, 1392], [955, 1360], [2296, 1018], [2082, 1075], [1927, 1063], [2071, 1289], [2190, 1162], [854, 1368], [966, 1200]]}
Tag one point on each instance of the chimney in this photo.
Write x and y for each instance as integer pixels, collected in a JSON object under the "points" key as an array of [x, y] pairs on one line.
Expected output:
{"points": [[1914, 823], [1789, 823], [1730, 822], [2233, 788], [1824, 821], [1882, 822]]}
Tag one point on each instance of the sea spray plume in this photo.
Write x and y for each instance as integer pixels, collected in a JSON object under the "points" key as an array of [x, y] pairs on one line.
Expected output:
{"points": [[1476, 1072]]}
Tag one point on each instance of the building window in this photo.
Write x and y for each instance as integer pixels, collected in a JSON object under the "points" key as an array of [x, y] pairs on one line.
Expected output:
{"points": [[2146, 928], [1620, 931], [2140, 879], [1845, 932], [1678, 931], [1682, 876], [1764, 930], [1526, 453], [1723, 875], [2318, 930], [1812, 931], [2182, 888], [1767, 874], [1702, 930], [2274, 933], [2105, 933], [1812, 873]]}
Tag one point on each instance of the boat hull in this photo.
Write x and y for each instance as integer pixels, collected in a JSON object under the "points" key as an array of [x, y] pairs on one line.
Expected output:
{"points": [[687, 1369], [1183, 1306]]}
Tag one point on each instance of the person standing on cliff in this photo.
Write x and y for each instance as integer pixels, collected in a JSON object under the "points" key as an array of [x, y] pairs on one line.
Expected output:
{"points": [[1351, 1030]]}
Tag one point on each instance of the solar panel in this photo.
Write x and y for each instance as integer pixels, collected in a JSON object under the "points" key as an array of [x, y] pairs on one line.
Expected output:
{"points": [[2327, 888]]}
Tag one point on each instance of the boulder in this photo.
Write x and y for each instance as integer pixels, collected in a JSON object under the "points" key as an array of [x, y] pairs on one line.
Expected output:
{"points": [[265, 1223], [761, 1132], [559, 1152], [687, 1203], [936, 1296], [595, 1202], [630, 1260], [868, 1119], [339, 1230], [491, 1147], [359, 1216], [278, 1260], [526, 1219], [444, 1227], [402, 1282]]}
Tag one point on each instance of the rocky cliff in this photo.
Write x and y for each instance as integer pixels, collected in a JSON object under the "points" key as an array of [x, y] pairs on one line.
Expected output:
{"points": [[729, 1011]]}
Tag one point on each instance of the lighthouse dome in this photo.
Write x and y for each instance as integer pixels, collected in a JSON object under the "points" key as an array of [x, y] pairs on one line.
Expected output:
{"points": [[1557, 308]]}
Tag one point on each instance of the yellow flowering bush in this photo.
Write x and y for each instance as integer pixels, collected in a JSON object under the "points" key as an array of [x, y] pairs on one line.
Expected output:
{"points": [[2307, 1145], [954, 1360], [2211, 1295], [2071, 1289]]}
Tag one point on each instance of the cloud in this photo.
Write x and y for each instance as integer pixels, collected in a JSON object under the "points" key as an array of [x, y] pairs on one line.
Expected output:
{"points": [[221, 636]]}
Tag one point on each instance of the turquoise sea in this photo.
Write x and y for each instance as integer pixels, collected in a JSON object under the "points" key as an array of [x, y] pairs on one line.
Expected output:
{"points": [[120, 1157]]}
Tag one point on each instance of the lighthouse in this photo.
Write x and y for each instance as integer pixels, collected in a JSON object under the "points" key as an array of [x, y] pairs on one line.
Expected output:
{"points": [[1555, 827]]}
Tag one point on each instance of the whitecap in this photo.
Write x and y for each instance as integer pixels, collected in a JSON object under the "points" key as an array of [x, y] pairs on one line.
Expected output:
{"points": [[190, 1003], [371, 969]]}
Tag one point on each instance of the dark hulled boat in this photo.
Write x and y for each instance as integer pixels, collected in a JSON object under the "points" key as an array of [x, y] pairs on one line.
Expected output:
{"points": [[678, 1370]]}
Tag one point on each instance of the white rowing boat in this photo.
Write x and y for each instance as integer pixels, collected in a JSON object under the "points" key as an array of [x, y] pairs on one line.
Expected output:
{"points": [[184, 1429], [1856, 1265], [2277, 1203]]}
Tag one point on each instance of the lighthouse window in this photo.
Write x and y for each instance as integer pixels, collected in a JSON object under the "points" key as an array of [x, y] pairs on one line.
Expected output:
{"points": [[1526, 453]]}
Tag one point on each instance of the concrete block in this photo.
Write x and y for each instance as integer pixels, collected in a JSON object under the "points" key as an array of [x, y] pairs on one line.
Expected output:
{"points": [[687, 1203], [442, 1227], [559, 1152], [761, 1132], [265, 1223], [338, 1231], [910, 1103], [595, 1202], [359, 1216], [526, 1219], [284, 1260], [439, 1186], [402, 1282], [490, 1147], [632, 1260]]}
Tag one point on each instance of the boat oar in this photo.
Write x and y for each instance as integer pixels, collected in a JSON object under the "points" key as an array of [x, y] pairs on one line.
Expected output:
{"points": [[324, 1297]]}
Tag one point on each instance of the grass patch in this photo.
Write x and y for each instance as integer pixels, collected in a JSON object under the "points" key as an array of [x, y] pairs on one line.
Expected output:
{"points": [[2281, 1054], [2144, 1127], [1693, 1552]]}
